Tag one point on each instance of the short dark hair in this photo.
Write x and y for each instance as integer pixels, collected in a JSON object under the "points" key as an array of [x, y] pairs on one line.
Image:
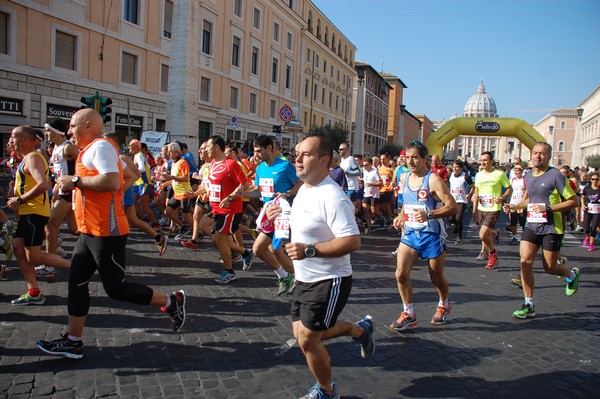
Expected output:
{"points": [[59, 124], [325, 147], [218, 141], [423, 151], [263, 141], [183, 146], [548, 146], [490, 154]]}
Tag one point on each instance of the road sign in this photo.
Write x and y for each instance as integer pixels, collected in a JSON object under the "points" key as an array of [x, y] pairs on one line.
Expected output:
{"points": [[285, 113], [234, 122]]}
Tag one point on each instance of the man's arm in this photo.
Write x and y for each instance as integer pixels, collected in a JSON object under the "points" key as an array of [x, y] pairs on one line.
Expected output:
{"points": [[34, 165], [334, 248], [70, 152], [440, 188]]}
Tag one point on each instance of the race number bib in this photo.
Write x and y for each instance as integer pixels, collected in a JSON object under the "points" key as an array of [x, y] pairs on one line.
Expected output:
{"points": [[517, 196], [593, 208], [267, 187], [410, 212], [369, 191], [457, 192], [486, 200], [282, 228], [536, 217], [214, 193]]}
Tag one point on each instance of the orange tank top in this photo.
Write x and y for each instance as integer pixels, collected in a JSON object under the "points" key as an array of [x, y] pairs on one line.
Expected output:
{"points": [[99, 213]]}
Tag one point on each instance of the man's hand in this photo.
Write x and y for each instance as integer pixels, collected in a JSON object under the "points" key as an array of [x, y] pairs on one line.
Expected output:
{"points": [[295, 250], [272, 212], [64, 183]]}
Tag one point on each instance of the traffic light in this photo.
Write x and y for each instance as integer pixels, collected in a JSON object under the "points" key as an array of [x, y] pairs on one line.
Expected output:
{"points": [[88, 102], [104, 109]]}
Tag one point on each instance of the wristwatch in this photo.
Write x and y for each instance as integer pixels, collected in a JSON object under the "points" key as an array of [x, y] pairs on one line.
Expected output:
{"points": [[230, 198], [20, 200], [75, 180], [429, 215], [310, 251]]}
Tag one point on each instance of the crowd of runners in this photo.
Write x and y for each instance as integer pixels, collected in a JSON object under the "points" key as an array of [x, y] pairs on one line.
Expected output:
{"points": [[302, 214]]}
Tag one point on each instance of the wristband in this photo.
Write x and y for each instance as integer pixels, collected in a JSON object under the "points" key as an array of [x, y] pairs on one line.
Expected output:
{"points": [[548, 209]]}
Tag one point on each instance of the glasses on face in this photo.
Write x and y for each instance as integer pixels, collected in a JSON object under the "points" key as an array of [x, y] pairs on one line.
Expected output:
{"points": [[596, 179], [341, 149]]}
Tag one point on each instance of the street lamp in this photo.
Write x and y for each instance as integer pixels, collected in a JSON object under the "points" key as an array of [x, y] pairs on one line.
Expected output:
{"points": [[551, 128], [360, 111], [577, 161]]}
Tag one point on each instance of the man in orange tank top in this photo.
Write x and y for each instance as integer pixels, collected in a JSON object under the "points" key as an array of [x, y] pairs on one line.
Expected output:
{"points": [[104, 230]]}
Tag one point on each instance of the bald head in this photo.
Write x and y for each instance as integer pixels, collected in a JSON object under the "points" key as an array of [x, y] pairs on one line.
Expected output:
{"points": [[86, 125]]}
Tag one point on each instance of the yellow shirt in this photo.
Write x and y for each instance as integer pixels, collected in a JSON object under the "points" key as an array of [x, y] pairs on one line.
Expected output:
{"points": [[24, 183]]}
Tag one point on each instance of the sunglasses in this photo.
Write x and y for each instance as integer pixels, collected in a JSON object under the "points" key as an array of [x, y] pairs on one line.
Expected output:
{"points": [[594, 179]]}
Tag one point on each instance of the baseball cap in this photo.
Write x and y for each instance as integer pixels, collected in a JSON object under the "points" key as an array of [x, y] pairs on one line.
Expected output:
{"points": [[135, 143], [403, 152]]}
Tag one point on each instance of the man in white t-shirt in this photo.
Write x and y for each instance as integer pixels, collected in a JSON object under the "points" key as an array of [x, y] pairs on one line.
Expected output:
{"points": [[373, 182], [323, 234], [352, 171]]}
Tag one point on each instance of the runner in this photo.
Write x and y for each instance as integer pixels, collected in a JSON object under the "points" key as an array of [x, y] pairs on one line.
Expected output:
{"points": [[488, 194], [590, 203], [517, 182], [352, 170], [101, 244], [386, 191], [372, 182], [546, 188], [461, 189], [423, 189], [142, 185]]}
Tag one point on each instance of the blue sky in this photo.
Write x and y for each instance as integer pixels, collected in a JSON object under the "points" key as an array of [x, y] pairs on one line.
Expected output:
{"points": [[534, 56]]}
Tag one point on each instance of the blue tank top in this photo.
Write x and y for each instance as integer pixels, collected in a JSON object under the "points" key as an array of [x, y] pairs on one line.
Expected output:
{"points": [[420, 199]]}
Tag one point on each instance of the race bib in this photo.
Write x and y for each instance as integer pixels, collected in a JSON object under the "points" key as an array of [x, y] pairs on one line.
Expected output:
{"points": [[536, 217], [410, 212], [486, 200], [385, 179], [282, 228], [457, 192], [369, 191], [517, 196], [593, 208], [214, 192], [267, 187]]}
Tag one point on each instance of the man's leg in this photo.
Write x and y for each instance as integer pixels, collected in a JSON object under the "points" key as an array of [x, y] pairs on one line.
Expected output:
{"points": [[406, 259], [436, 274], [527, 251], [27, 269], [485, 234], [60, 210]]}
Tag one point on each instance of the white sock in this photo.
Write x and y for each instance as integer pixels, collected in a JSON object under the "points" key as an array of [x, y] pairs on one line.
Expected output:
{"points": [[443, 303], [408, 309], [281, 273], [168, 301], [529, 301], [73, 338]]}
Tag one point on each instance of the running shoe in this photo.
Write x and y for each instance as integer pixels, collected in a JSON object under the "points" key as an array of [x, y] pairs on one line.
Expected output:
{"points": [[404, 321], [44, 271], [395, 252], [235, 257], [497, 238], [440, 315], [2, 271], [156, 226], [164, 221], [316, 392], [573, 285], [586, 241], [254, 233], [458, 241], [162, 244], [517, 282], [27, 299], [191, 244], [284, 284], [514, 241], [591, 248], [247, 260], [382, 223], [63, 346], [6, 247], [60, 251], [182, 232], [290, 290], [492, 260], [176, 310], [483, 255], [524, 312], [367, 343], [225, 277]]}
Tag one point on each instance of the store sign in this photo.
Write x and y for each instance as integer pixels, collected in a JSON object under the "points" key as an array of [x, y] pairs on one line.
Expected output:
{"points": [[11, 106], [60, 111], [134, 121]]}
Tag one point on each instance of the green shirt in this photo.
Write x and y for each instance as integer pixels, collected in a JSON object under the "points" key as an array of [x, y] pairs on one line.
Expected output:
{"points": [[489, 186]]}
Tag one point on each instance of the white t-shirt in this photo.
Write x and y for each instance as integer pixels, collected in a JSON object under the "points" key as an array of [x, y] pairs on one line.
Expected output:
{"points": [[518, 186], [319, 214], [352, 171], [371, 176], [101, 156]]}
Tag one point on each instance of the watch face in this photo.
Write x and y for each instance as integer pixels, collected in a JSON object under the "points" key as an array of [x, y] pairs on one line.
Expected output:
{"points": [[310, 252]]}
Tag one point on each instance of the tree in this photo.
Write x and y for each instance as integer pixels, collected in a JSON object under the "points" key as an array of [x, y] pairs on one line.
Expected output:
{"points": [[593, 161], [391, 149], [336, 134]]}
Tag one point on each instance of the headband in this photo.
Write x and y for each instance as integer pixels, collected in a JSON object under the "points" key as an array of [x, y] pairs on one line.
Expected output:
{"points": [[55, 130]]}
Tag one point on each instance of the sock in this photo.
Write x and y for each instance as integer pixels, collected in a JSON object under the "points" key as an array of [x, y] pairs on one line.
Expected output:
{"points": [[443, 303], [408, 309], [157, 238], [168, 301], [572, 276], [73, 338], [281, 273], [246, 253], [34, 291], [529, 301]]}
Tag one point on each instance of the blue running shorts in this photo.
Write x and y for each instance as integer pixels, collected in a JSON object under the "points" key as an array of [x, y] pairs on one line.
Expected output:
{"points": [[427, 245]]}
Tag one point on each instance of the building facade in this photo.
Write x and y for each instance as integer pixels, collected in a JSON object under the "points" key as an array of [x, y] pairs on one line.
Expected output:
{"points": [[395, 133], [589, 129]]}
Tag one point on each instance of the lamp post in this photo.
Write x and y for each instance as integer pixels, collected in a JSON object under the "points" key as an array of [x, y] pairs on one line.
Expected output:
{"points": [[551, 129], [357, 144]]}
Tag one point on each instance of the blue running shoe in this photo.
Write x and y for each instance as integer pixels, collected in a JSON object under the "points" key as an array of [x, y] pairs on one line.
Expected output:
{"points": [[367, 343], [317, 392]]}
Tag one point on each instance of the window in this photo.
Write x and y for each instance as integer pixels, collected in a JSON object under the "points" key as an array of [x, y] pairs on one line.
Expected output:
{"points": [[290, 3], [563, 124], [288, 76], [290, 41], [233, 98], [276, 32], [168, 19], [308, 54], [331, 71], [4, 19], [205, 89], [235, 51], [324, 66], [254, 61], [129, 68], [315, 91], [207, 28], [252, 107], [330, 99], [131, 11], [256, 19], [317, 60], [561, 146], [306, 85], [323, 96], [65, 51], [164, 78], [237, 8], [273, 109], [274, 70]]}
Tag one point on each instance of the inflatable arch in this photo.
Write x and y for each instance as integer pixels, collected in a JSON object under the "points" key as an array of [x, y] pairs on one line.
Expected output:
{"points": [[462, 126]]}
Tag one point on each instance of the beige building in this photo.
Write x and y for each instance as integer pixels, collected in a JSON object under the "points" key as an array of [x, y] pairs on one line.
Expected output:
{"points": [[558, 129], [395, 133], [191, 67], [589, 129]]}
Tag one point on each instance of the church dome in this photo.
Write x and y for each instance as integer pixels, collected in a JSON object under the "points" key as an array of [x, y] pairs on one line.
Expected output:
{"points": [[480, 105]]}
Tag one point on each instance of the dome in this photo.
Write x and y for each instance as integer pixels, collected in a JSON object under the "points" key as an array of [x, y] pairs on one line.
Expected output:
{"points": [[480, 105]]}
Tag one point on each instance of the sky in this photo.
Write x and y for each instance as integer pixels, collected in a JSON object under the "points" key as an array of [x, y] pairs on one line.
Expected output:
{"points": [[534, 56]]}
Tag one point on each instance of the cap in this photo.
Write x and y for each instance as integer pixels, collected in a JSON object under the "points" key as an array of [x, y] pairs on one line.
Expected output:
{"points": [[403, 152], [135, 143]]}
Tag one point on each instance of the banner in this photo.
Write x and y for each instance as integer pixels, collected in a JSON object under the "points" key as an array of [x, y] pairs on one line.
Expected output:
{"points": [[154, 140]]}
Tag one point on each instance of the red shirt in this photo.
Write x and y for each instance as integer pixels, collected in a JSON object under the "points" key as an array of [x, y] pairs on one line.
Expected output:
{"points": [[224, 177], [441, 172]]}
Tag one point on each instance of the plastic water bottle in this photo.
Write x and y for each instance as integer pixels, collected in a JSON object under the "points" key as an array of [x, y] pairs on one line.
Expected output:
{"points": [[289, 344]]}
